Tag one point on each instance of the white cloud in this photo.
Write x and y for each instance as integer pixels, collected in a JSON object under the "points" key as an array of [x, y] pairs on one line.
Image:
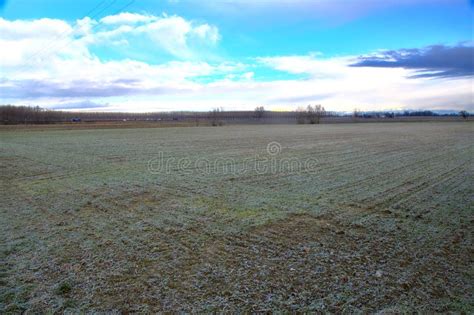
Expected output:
{"points": [[50, 62], [84, 26], [176, 35], [127, 18], [25, 29], [52, 59], [173, 35], [333, 82], [248, 75], [206, 31], [30, 43], [308, 64]]}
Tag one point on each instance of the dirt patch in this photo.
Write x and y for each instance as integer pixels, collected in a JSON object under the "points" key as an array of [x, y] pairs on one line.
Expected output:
{"points": [[300, 263], [305, 263]]}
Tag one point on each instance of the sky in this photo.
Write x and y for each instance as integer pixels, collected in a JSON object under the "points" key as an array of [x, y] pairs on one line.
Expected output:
{"points": [[170, 55]]}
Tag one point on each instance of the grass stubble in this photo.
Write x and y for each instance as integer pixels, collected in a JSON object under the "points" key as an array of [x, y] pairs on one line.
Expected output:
{"points": [[381, 223]]}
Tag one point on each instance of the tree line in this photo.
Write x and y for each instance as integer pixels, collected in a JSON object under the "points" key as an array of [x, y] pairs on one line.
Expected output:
{"points": [[312, 114], [10, 114]]}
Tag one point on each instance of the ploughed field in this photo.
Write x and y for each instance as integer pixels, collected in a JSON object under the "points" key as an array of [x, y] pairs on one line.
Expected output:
{"points": [[337, 218]]}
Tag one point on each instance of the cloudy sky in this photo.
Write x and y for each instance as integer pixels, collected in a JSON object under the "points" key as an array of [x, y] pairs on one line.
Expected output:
{"points": [[150, 55]]}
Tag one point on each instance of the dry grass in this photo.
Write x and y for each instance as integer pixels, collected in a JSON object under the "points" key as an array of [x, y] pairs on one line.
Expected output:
{"points": [[382, 222]]}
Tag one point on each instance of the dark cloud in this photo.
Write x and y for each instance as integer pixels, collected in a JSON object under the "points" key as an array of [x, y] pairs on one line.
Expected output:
{"points": [[79, 88], [79, 105], [127, 81], [302, 98], [437, 61]]}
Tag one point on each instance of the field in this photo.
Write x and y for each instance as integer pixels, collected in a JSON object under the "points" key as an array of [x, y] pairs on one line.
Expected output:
{"points": [[334, 218]]}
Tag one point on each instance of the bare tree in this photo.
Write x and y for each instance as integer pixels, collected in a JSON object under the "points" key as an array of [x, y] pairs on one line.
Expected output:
{"points": [[259, 112], [215, 116], [300, 115], [315, 113], [355, 113], [319, 112], [464, 114], [310, 114]]}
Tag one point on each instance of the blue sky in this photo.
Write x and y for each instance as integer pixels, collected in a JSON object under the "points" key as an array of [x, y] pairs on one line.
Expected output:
{"points": [[147, 55]]}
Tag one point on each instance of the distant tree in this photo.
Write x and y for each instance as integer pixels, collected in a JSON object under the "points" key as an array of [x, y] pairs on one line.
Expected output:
{"points": [[464, 114], [300, 115], [420, 113], [356, 113], [259, 112], [319, 112], [310, 116], [314, 114], [215, 116]]}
